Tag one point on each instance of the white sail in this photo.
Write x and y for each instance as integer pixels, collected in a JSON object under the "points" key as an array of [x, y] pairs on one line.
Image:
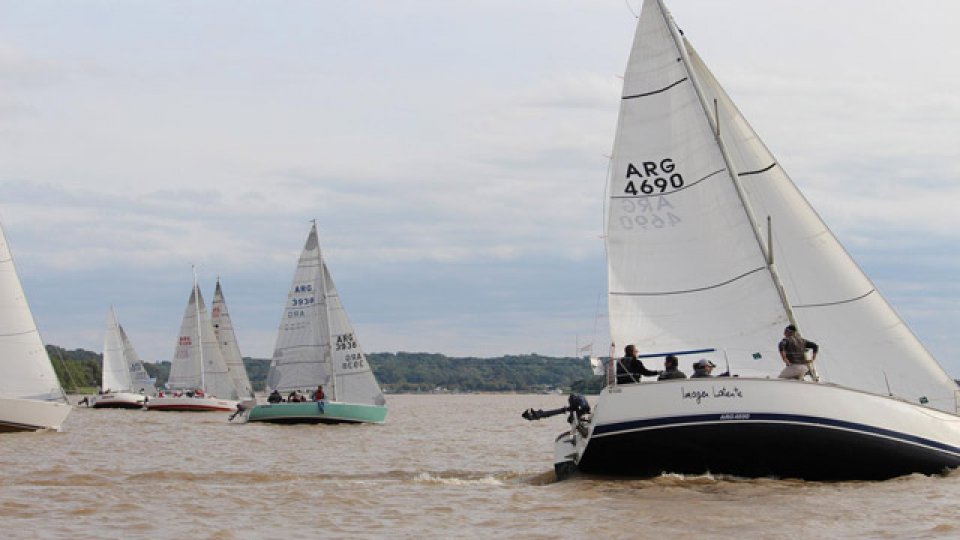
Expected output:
{"points": [[123, 370], [25, 368], [229, 348], [197, 361], [690, 195], [316, 344], [139, 378], [115, 375]]}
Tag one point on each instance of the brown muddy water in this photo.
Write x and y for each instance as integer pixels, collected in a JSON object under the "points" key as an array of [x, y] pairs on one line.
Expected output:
{"points": [[443, 466]]}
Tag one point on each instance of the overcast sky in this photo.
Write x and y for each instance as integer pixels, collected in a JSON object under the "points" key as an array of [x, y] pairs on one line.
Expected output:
{"points": [[453, 154]]}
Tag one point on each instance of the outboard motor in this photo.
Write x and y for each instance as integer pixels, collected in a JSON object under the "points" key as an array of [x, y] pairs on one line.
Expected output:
{"points": [[577, 406]]}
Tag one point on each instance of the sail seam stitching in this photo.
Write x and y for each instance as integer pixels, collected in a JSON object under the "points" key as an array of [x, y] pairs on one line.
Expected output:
{"points": [[839, 302], [759, 171], [664, 89], [700, 289], [18, 333]]}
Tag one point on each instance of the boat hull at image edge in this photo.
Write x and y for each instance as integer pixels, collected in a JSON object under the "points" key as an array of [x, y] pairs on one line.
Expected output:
{"points": [[31, 415], [757, 428], [318, 412]]}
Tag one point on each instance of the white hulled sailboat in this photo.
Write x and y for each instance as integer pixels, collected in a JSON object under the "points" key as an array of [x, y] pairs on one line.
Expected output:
{"points": [[124, 381], [199, 378], [31, 397], [712, 251]]}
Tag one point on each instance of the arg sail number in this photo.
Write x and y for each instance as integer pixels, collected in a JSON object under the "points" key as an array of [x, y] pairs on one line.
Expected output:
{"points": [[653, 177]]}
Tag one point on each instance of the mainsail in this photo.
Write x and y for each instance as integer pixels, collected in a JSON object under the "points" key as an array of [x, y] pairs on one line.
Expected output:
{"points": [[691, 192], [229, 348], [316, 343], [25, 368], [197, 361]]}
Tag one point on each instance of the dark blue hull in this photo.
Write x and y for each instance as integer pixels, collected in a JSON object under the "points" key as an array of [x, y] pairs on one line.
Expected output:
{"points": [[787, 448]]}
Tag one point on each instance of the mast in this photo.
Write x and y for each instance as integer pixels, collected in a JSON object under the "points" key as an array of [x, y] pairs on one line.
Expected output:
{"points": [[326, 334], [196, 305], [734, 176]]}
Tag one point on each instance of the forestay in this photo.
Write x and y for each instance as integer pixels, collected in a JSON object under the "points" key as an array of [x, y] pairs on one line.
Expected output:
{"points": [[691, 189], [316, 344]]}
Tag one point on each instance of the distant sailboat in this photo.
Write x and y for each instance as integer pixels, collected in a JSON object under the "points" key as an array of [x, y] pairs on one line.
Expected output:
{"points": [[712, 252], [199, 378], [31, 397], [125, 383], [316, 345], [229, 348]]}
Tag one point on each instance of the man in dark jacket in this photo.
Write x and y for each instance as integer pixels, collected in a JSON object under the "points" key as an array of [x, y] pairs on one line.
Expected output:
{"points": [[630, 368], [793, 350], [672, 369]]}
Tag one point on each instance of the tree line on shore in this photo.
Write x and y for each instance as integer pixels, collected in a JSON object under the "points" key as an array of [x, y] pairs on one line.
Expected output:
{"points": [[402, 372]]}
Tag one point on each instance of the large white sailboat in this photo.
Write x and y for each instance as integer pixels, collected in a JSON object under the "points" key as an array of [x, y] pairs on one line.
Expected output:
{"points": [[317, 346], [712, 251], [124, 381], [31, 397], [199, 378]]}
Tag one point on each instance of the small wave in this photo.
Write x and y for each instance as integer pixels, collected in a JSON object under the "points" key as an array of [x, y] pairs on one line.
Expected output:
{"points": [[161, 477], [944, 528], [72, 480], [542, 479], [458, 480]]}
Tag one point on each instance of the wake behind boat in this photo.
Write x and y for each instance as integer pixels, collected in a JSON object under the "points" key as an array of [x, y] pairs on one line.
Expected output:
{"points": [[712, 251], [31, 398], [317, 352]]}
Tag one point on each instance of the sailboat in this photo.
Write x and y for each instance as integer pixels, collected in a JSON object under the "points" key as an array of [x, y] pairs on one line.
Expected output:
{"points": [[229, 347], [712, 251], [199, 378], [317, 346], [31, 398], [124, 382]]}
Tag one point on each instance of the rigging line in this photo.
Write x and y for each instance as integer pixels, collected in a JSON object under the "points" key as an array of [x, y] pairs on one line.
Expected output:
{"points": [[759, 171], [699, 289], [654, 92], [630, 7], [685, 186], [838, 302]]}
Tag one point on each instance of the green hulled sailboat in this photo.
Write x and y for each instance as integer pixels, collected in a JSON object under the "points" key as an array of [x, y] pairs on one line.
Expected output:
{"points": [[317, 347]]}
